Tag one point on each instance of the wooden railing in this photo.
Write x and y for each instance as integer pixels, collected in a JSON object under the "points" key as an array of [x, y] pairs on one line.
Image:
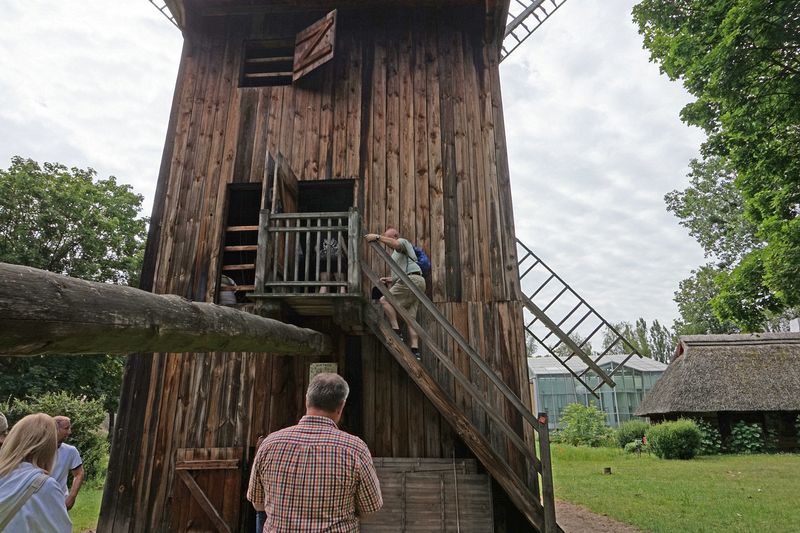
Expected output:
{"points": [[290, 256], [534, 495]]}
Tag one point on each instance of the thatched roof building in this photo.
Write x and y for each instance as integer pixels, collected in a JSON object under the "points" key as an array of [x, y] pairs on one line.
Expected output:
{"points": [[728, 373]]}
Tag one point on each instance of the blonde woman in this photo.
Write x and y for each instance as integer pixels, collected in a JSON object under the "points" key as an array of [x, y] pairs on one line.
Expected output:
{"points": [[30, 500]]}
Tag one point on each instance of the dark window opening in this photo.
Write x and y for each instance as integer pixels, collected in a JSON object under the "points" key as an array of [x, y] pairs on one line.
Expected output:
{"points": [[267, 63], [326, 196], [240, 243]]}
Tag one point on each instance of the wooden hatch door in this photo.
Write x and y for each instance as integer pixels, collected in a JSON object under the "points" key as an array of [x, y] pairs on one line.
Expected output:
{"points": [[207, 490], [314, 46]]}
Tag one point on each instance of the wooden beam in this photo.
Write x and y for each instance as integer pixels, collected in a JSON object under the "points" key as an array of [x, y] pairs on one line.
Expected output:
{"points": [[46, 313]]}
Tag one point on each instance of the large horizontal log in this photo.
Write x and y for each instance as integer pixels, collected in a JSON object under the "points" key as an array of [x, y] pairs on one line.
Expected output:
{"points": [[46, 313]]}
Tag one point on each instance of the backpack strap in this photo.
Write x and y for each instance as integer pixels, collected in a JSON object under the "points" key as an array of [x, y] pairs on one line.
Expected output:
{"points": [[34, 487]]}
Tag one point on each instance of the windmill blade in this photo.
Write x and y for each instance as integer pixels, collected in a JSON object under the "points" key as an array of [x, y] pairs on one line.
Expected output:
{"points": [[524, 17], [164, 8]]}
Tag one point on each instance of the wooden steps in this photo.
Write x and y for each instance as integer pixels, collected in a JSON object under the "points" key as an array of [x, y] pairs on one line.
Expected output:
{"points": [[518, 491], [433, 495]]}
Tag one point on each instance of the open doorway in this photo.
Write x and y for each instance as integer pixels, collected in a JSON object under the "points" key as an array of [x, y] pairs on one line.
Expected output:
{"points": [[330, 247]]}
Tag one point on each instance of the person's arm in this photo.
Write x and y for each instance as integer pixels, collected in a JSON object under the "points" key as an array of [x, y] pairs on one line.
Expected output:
{"points": [[255, 489], [383, 239], [77, 480], [368, 495]]}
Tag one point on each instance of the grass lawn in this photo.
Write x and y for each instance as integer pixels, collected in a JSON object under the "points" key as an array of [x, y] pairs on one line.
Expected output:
{"points": [[712, 493], [86, 510]]}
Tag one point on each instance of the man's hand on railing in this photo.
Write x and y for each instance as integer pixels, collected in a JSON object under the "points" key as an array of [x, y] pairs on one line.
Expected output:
{"points": [[386, 280]]}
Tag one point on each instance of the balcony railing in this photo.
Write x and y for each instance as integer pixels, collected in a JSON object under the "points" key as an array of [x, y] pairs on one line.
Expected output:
{"points": [[297, 251]]}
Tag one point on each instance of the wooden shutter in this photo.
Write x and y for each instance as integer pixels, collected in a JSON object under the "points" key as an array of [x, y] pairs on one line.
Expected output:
{"points": [[314, 46]]}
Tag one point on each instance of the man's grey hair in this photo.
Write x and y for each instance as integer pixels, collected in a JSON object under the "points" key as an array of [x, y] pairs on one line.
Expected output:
{"points": [[327, 392], [3, 423]]}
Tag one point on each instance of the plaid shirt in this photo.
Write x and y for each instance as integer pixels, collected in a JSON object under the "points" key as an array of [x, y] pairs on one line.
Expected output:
{"points": [[314, 477]]}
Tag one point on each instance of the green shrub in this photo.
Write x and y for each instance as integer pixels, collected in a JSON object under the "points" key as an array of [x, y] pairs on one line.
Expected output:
{"points": [[797, 429], [771, 438], [746, 438], [674, 440], [86, 417], [584, 426], [630, 431], [710, 438], [634, 446]]}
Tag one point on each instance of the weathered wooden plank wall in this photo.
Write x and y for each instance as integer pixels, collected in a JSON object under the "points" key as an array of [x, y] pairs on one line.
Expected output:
{"points": [[409, 108]]}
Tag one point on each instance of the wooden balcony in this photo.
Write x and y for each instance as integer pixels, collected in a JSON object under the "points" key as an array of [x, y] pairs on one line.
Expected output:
{"points": [[294, 268]]}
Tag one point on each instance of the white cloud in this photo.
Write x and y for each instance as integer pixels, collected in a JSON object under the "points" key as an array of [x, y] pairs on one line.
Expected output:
{"points": [[594, 144]]}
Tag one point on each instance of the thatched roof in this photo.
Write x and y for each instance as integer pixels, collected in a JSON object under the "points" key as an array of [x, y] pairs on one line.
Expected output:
{"points": [[710, 373]]}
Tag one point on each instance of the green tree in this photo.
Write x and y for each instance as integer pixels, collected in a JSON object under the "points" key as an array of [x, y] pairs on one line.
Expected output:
{"points": [[584, 425], [741, 61], [713, 210], [694, 297], [68, 221], [655, 341]]}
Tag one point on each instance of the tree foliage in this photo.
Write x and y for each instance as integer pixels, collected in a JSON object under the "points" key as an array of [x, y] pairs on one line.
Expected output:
{"points": [[741, 61], [584, 425], [713, 211], [655, 341], [86, 417], [68, 221], [694, 297], [97, 377]]}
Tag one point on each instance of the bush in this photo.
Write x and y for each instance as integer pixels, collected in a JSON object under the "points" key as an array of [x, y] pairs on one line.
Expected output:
{"points": [[631, 431], [674, 440], [584, 426], [86, 417], [710, 438], [797, 429], [746, 438], [635, 446]]}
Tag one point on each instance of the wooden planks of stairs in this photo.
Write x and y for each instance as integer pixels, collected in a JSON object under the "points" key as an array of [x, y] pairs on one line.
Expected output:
{"points": [[524, 499]]}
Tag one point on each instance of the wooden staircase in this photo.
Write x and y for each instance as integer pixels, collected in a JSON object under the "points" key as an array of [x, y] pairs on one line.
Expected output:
{"points": [[508, 453]]}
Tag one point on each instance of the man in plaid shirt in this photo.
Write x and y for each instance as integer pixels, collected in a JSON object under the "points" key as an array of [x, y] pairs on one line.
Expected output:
{"points": [[313, 477]]}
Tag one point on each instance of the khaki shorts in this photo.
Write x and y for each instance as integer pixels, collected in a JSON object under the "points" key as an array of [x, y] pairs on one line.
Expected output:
{"points": [[404, 295]]}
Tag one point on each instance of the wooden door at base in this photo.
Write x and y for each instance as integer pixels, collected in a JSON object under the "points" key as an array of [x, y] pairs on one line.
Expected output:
{"points": [[207, 490]]}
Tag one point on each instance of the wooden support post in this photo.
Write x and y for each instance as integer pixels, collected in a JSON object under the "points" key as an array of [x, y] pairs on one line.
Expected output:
{"points": [[262, 252], [353, 241], [548, 498], [42, 312]]}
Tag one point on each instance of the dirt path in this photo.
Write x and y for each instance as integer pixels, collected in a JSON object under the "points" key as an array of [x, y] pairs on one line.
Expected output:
{"points": [[576, 519]]}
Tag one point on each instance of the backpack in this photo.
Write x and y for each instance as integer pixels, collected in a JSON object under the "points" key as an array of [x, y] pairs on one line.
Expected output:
{"points": [[423, 260]]}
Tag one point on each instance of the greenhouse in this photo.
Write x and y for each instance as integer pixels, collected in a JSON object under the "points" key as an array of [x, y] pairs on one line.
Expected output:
{"points": [[553, 387]]}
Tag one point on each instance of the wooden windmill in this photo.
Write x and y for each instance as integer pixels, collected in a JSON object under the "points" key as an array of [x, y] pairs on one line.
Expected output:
{"points": [[295, 122]]}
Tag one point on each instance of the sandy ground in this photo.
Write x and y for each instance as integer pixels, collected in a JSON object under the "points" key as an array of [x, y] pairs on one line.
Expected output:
{"points": [[576, 519]]}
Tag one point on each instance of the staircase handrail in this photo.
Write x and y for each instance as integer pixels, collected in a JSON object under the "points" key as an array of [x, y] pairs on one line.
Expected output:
{"points": [[456, 335], [457, 374]]}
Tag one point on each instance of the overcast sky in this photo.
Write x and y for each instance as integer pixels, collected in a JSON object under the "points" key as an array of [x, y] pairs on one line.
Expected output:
{"points": [[593, 131]]}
